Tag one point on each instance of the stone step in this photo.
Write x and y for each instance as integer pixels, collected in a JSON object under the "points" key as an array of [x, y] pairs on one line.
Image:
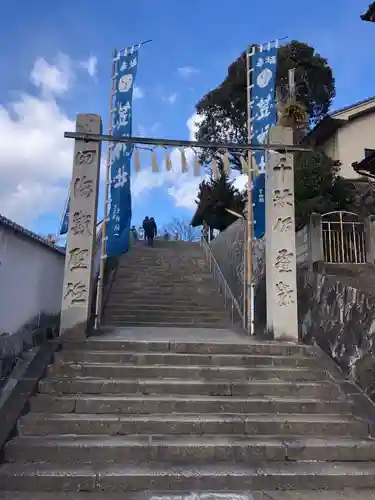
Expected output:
{"points": [[133, 404], [191, 271], [180, 300], [128, 477], [167, 296], [188, 450], [184, 323], [172, 265], [172, 315], [40, 424], [163, 307], [153, 283], [134, 272], [191, 256], [187, 318], [164, 304], [348, 494], [157, 301], [167, 262], [212, 348], [204, 373], [166, 310], [155, 280], [182, 292], [177, 359], [321, 390], [154, 286]]}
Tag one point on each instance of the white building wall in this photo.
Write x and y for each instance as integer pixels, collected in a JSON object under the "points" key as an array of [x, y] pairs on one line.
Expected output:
{"points": [[353, 138], [331, 147], [31, 278], [348, 144]]}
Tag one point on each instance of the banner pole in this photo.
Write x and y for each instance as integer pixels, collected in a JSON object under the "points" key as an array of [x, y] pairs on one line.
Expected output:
{"points": [[103, 256], [249, 246]]}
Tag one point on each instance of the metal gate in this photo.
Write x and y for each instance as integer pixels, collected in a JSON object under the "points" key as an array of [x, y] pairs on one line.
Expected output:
{"points": [[343, 235]]}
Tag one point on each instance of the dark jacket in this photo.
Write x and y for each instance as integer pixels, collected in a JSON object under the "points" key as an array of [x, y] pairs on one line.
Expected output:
{"points": [[154, 228]]}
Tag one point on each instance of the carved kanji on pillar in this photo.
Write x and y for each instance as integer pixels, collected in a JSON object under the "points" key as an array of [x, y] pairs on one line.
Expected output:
{"points": [[76, 299], [281, 275]]}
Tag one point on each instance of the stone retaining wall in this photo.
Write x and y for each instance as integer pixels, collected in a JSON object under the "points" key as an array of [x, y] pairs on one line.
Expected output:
{"points": [[336, 307]]}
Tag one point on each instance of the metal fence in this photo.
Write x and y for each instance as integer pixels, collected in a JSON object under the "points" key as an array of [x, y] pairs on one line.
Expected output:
{"points": [[224, 288], [343, 235]]}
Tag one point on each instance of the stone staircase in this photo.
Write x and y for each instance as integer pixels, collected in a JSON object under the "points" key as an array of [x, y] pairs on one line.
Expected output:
{"points": [[167, 285], [132, 410]]}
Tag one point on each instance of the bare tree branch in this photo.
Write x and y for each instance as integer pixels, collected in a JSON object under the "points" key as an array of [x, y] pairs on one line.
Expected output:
{"points": [[184, 229]]}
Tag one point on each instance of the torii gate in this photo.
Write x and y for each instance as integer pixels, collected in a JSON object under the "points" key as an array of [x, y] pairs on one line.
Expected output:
{"points": [[282, 319]]}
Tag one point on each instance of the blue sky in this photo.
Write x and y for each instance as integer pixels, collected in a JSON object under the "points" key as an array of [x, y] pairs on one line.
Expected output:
{"points": [[55, 63]]}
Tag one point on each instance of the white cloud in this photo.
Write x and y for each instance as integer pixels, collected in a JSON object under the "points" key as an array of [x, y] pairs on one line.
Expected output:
{"points": [[137, 93], [240, 181], [192, 124], [32, 198], [187, 71], [182, 187], [155, 126], [52, 79], [171, 98], [90, 65], [35, 158]]}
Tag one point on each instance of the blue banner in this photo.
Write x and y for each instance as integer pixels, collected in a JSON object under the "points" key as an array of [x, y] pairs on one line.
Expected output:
{"points": [[118, 226], [64, 224], [263, 117], [259, 187]]}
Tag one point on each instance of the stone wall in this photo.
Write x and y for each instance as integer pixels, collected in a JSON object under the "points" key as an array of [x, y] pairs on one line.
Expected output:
{"points": [[336, 303], [228, 250], [302, 245], [13, 347], [338, 313]]}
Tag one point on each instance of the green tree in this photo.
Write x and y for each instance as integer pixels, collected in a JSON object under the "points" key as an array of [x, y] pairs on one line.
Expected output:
{"points": [[224, 108], [214, 197], [318, 187]]}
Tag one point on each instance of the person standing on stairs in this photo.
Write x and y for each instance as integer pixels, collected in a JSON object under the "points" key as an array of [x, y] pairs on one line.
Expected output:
{"points": [[150, 230], [154, 227], [145, 223]]}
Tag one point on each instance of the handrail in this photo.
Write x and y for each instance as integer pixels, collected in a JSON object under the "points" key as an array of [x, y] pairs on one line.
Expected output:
{"points": [[227, 289], [111, 263]]}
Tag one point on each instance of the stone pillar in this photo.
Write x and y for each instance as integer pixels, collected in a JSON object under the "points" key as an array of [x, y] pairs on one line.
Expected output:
{"points": [[77, 289], [281, 270], [315, 239]]}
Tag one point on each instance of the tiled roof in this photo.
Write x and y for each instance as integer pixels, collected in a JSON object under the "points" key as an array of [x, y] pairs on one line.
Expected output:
{"points": [[324, 129], [341, 110], [7, 223]]}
